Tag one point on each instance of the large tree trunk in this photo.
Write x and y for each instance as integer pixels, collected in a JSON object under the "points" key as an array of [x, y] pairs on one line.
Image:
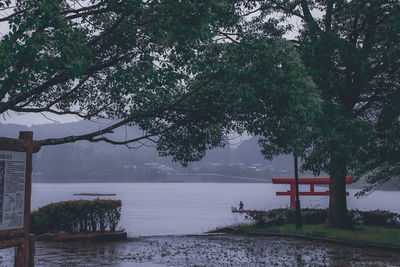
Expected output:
{"points": [[337, 212]]}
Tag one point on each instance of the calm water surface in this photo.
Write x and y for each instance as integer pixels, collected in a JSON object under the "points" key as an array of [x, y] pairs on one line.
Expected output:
{"points": [[150, 209]]}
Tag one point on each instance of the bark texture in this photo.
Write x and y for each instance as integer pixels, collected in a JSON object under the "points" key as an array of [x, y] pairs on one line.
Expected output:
{"points": [[337, 212]]}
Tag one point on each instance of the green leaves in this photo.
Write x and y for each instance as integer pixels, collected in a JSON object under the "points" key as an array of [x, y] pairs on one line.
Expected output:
{"points": [[139, 63], [351, 54], [190, 72], [284, 102]]}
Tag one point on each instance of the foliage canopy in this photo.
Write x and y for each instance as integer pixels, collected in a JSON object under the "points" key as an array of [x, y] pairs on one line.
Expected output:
{"points": [[185, 72], [351, 50]]}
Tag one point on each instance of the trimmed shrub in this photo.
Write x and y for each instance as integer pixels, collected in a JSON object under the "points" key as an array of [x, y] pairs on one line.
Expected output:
{"points": [[379, 218], [318, 216], [313, 216], [76, 216], [258, 218], [271, 217]]}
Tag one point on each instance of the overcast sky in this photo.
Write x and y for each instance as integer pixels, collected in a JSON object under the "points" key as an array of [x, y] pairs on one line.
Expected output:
{"points": [[31, 119]]}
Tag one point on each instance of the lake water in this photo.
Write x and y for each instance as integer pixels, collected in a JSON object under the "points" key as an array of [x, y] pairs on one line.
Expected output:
{"points": [[150, 209]]}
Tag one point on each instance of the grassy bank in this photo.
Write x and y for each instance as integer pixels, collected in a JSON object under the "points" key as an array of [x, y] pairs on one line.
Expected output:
{"points": [[361, 233]]}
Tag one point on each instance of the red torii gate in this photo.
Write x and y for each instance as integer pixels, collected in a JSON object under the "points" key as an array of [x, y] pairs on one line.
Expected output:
{"points": [[310, 181]]}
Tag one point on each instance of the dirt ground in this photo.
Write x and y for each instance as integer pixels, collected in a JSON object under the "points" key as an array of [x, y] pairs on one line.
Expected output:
{"points": [[210, 250]]}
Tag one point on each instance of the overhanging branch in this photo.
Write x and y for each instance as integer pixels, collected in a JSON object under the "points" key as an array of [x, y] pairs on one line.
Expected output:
{"points": [[92, 137], [59, 78]]}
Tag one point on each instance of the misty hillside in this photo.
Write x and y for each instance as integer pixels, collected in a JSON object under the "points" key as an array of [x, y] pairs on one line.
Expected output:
{"points": [[249, 152], [84, 161]]}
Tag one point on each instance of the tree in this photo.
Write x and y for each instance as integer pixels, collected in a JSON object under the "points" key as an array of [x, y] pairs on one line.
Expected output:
{"points": [[291, 131], [179, 70], [263, 88], [132, 62], [351, 50]]}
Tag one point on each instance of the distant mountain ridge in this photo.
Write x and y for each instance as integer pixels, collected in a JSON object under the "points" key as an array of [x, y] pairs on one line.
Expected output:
{"points": [[84, 161], [102, 162]]}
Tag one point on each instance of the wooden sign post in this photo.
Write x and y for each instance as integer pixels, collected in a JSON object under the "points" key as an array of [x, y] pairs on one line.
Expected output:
{"points": [[15, 196]]}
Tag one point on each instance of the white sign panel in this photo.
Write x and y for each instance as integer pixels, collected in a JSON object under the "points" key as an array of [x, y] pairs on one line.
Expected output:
{"points": [[12, 189]]}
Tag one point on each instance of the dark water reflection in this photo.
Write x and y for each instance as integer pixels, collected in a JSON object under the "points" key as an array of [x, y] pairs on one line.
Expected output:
{"points": [[210, 250]]}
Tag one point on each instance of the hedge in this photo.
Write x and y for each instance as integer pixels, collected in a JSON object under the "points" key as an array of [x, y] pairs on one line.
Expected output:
{"points": [[76, 216], [318, 216]]}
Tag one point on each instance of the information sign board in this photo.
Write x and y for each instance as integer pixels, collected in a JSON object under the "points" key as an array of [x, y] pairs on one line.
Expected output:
{"points": [[12, 189]]}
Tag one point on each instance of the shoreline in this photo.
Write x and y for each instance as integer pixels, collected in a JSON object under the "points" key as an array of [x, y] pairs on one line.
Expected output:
{"points": [[349, 186], [228, 230]]}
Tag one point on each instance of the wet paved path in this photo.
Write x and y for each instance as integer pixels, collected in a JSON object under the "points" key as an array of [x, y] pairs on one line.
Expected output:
{"points": [[210, 250]]}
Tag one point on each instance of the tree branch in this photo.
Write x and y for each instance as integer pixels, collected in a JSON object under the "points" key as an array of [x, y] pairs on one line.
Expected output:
{"points": [[20, 108], [12, 15], [308, 18], [58, 79], [291, 12], [125, 142], [91, 12], [156, 113], [88, 137], [328, 15], [227, 35]]}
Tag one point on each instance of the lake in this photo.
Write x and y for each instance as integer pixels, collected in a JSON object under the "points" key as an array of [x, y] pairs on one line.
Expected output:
{"points": [[150, 209]]}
